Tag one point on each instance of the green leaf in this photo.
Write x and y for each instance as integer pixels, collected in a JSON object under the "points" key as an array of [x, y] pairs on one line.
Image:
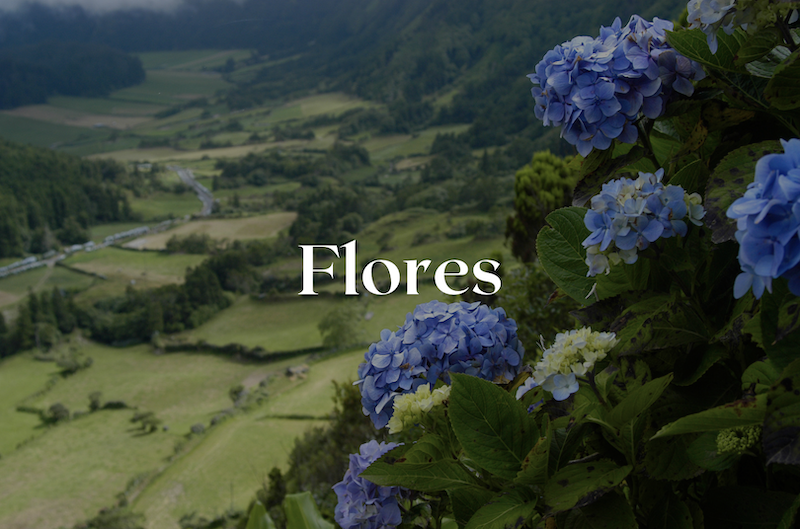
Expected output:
{"points": [[787, 520], [779, 330], [703, 453], [759, 376], [744, 507], [638, 401], [781, 435], [259, 519], [692, 177], [302, 513], [698, 363], [667, 458], [440, 475], [783, 90], [494, 429], [565, 443], [508, 510], [634, 327], [611, 511], [562, 255], [592, 181], [670, 513], [744, 412], [428, 449], [728, 182], [693, 44], [582, 483], [758, 45], [535, 467], [465, 501]]}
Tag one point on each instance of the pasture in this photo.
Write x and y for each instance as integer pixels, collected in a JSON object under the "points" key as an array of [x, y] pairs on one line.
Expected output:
{"points": [[163, 205], [244, 228], [147, 269]]}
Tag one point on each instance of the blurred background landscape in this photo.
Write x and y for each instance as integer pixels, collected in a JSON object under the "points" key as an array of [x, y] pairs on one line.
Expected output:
{"points": [[160, 164]]}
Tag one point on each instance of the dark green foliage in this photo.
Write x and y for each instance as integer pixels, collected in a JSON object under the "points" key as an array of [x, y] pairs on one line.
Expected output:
{"points": [[113, 518], [543, 185], [30, 74], [33, 203], [341, 326], [3, 327], [94, 401], [57, 413]]}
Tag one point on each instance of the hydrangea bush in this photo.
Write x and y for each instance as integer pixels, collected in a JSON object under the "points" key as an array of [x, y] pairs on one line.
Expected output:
{"points": [[674, 401]]}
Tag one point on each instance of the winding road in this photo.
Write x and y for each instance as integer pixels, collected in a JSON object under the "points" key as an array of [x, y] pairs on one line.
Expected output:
{"points": [[205, 196]]}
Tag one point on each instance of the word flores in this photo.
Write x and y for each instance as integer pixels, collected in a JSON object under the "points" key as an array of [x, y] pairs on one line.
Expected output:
{"points": [[412, 273]]}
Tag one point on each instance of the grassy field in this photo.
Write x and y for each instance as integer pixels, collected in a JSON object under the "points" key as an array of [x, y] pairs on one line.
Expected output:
{"points": [[108, 451], [193, 60], [101, 231], [107, 106], [74, 118], [20, 376], [256, 227], [146, 268], [275, 326], [44, 134], [14, 288], [166, 87], [162, 205]]}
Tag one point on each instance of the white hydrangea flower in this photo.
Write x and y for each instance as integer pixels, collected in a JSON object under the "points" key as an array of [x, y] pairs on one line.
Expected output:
{"points": [[409, 408]]}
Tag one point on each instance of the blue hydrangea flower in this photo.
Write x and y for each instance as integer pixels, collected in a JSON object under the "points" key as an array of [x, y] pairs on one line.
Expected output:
{"points": [[361, 503], [628, 215], [768, 224], [435, 340], [711, 15], [596, 88]]}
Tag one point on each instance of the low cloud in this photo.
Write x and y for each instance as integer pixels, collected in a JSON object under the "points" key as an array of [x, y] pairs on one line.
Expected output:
{"points": [[98, 6]]}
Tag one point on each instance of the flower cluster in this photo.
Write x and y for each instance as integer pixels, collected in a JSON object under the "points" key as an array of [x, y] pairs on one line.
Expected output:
{"points": [[410, 408], [768, 224], [437, 339], [595, 88], [361, 503], [573, 354], [711, 15], [738, 440], [631, 214]]}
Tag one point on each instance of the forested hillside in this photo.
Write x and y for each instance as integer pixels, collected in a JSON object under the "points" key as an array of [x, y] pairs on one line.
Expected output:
{"points": [[29, 74], [45, 195], [397, 51]]}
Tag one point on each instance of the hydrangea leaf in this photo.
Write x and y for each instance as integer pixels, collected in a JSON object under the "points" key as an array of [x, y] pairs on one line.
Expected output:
{"points": [[259, 519], [465, 501], [728, 182], [698, 363], [691, 177], [612, 511], [693, 44], [562, 255], [783, 90], [759, 377], [743, 412], [744, 506], [594, 175], [781, 435], [580, 484], [394, 470], [779, 325], [302, 512], [670, 513], [758, 45], [638, 401], [494, 429], [703, 453], [634, 327], [787, 520], [668, 458], [535, 467], [506, 510]]}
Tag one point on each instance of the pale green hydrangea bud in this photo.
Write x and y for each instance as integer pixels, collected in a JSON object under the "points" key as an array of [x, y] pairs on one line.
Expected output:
{"points": [[738, 440], [410, 408]]}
